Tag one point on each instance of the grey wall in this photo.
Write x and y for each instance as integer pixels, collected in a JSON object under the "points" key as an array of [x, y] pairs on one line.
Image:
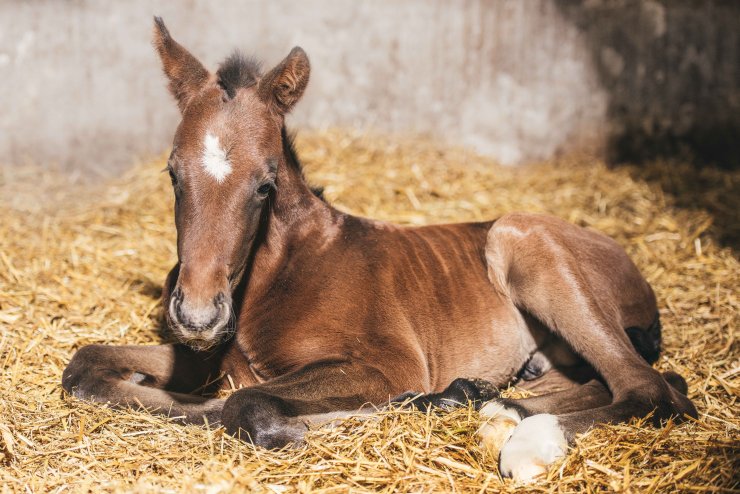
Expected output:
{"points": [[521, 80], [672, 73]]}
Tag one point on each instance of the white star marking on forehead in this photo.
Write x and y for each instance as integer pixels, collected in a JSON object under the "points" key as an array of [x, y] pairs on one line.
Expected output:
{"points": [[214, 158]]}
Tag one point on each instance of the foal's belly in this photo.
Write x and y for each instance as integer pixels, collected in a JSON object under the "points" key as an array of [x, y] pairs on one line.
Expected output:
{"points": [[493, 344]]}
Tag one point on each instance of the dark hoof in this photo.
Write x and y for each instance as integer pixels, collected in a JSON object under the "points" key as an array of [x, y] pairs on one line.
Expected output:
{"points": [[478, 391], [458, 394], [484, 390]]}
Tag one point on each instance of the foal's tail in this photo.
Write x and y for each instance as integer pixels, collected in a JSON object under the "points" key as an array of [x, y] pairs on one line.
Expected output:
{"points": [[647, 341]]}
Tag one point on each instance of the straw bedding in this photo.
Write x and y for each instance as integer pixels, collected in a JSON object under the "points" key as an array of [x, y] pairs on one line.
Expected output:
{"points": [[85, 265]]}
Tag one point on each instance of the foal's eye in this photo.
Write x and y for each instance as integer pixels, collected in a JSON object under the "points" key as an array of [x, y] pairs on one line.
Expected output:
{"points": [[173, 177], [264, 189]]}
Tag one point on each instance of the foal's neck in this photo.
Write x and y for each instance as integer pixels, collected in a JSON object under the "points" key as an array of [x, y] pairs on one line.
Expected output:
{"points": [[294, 201], [296, 220]]}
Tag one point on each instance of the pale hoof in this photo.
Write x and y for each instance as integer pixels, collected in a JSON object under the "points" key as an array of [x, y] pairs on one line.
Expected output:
{"points": [[534, 445], [498, 428]]}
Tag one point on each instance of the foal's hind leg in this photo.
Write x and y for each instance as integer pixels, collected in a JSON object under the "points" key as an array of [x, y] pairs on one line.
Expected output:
{"points": [[504, 414], [157, 377], [583, 287]]}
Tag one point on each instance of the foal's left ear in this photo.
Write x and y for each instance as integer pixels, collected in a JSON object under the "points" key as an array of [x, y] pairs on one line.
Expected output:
{"points": [[186, 74], [283, 86]]}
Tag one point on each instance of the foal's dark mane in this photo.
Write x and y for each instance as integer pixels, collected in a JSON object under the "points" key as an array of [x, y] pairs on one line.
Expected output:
{"points": [[294, 162], [238, 71]]}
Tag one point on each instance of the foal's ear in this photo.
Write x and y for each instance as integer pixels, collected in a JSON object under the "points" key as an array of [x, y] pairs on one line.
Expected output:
{"points": [[186, 74], [283, 86]]}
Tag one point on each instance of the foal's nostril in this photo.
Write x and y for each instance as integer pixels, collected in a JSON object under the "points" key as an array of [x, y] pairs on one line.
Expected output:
{"points": [[196, 317], [178, 310], [177, 294]]}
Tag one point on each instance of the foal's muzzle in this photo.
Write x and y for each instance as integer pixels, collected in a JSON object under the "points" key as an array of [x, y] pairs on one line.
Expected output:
{"points": [[198, 324]]}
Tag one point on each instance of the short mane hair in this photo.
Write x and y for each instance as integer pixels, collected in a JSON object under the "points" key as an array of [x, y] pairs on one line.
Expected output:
{"points": [[238, 71]]}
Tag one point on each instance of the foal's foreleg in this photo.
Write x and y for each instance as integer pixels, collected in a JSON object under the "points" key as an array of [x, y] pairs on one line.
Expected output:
{"points": [[280, 411], [585, 289], [158, 378]]}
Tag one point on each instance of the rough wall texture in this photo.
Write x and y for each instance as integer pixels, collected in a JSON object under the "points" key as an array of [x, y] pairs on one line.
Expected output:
{"points": [[521, 80], [672, 73]]}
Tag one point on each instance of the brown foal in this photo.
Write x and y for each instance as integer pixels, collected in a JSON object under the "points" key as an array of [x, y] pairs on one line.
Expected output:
{"points": [[314, 313]]}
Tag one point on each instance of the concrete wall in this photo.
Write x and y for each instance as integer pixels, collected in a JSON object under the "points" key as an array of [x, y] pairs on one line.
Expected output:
{"points": [[521, 80], [672, 73]]}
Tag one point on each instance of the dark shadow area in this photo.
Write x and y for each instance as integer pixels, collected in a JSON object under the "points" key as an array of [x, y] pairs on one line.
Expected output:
{"points": [[708, 188], [195, 373], [671, 69], [154, 291], [148, 288]]}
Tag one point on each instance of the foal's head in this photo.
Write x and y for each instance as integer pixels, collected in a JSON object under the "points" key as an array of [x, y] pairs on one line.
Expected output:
{"points": [[224, 166]]}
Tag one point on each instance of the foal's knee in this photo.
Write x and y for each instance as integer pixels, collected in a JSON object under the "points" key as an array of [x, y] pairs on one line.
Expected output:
{"points": [[81, 377], [262, 419]]}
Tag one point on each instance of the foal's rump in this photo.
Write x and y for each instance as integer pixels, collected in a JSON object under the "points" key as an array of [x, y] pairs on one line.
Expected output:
{"points": [[544, 257], [565, 278]]}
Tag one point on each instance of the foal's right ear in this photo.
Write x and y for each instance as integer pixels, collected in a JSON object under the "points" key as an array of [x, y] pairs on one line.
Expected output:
{"points": [[186, 74], [283, 86]]}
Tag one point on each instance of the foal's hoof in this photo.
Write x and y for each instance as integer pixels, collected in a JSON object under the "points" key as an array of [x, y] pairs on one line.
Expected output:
{"points": [[525, 447], [458, 394], [479, 390], [498, 428], [80, 379], [534, 445]]}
